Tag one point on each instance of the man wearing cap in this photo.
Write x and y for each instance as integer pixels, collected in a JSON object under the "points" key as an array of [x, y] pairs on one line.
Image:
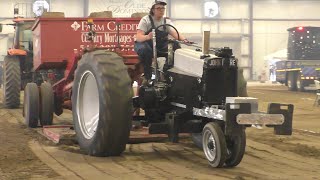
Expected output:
{"points": [[143, 45]]}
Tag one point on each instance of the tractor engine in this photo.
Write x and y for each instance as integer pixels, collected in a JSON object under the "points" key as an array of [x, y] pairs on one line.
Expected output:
{"points": [[194, 81], [197, 80]]}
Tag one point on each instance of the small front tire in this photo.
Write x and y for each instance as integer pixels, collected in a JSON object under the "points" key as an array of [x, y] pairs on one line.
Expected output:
{"points": [[214, 144], [236, 146]]}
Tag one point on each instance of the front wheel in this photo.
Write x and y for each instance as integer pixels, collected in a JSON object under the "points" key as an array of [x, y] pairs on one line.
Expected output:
{"points": [[102, 103], [236, 146], [214, 144]]}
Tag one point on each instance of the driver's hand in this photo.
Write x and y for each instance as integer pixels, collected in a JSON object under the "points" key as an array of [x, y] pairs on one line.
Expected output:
{"points": [[186, 41], [150, 35]]}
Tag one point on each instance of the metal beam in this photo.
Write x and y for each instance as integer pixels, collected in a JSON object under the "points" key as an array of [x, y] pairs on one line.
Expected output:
{"points": [[251, 37], [169, 9], [85, 8], [242, 19], [207, 19], [268, 19]]}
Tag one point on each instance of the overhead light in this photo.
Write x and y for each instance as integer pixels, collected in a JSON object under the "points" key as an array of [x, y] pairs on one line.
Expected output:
{"points": [[300, 28]]}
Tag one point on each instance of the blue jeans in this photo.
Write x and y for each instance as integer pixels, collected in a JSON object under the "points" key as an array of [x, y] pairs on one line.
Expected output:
{"points": [[145, 53]]}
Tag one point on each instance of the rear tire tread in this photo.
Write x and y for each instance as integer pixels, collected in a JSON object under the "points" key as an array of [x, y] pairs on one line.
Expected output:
{"points": [[46, 104], [11, 82], [31, 105]]}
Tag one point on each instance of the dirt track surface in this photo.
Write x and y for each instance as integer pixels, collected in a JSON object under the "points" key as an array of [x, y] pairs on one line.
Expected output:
{"points": [[24, 154]]}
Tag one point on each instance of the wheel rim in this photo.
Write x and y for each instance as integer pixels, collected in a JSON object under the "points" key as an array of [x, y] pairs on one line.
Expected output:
{"points": [[88, 105], [209, 146]]}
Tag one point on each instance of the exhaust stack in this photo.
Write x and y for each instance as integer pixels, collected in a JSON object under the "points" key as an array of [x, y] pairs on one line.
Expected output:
{"points": [[206, 42]]}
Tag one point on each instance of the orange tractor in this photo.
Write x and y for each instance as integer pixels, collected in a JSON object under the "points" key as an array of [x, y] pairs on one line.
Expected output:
{"points": [[18, 64]]}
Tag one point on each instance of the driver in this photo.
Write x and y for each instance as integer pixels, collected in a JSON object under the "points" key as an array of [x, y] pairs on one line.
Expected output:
{"points": [[143, 45]]}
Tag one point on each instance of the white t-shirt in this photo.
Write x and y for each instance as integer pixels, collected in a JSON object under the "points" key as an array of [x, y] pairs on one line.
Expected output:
{"points": [[145, 23]]}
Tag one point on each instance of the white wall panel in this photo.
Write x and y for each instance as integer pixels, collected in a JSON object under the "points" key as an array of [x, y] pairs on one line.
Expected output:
{"points": [[189, 9], [230, 9], [193, 9], [7, 6], [286, 9], [71, 8], [188, 27]]}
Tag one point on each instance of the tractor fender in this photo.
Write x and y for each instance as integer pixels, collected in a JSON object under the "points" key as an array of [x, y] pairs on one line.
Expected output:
{"points": [[18, 52]]}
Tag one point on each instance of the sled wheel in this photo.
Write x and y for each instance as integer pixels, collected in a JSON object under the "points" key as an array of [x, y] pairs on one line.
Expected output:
{"points": [[214, 144], [102, 103], [46, 104], [31, 105]]}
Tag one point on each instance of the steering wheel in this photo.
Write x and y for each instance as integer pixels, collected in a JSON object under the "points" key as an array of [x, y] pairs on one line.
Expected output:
{"points": [[161, 48]]}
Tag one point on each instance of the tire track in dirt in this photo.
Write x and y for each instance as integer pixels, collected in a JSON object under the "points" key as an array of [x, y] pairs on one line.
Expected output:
{"points": [[110, 166], [249, 168], [111, 174], [145, 154], [128, 165], [239, 172], [236, 171], [63, 165], [17, 160], [76, 164], [193, 167], [288, 165], [161, 160]]}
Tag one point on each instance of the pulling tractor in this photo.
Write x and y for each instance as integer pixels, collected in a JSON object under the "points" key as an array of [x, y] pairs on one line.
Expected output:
{"points": [[18, 63], [193, 92]]}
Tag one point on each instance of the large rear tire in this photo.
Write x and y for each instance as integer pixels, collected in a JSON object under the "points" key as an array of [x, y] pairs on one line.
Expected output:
{"points": [[31, 105], [214, 144], [46, 104], [236, 146], [102, 103], [11, 82]]}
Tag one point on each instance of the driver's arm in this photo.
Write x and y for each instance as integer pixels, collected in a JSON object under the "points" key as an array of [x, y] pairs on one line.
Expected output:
{"points": [[141, 37], [174, 34]]}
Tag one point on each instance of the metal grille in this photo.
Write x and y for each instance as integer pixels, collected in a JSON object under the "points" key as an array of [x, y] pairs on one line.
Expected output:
{"points": [[219, 84]]}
